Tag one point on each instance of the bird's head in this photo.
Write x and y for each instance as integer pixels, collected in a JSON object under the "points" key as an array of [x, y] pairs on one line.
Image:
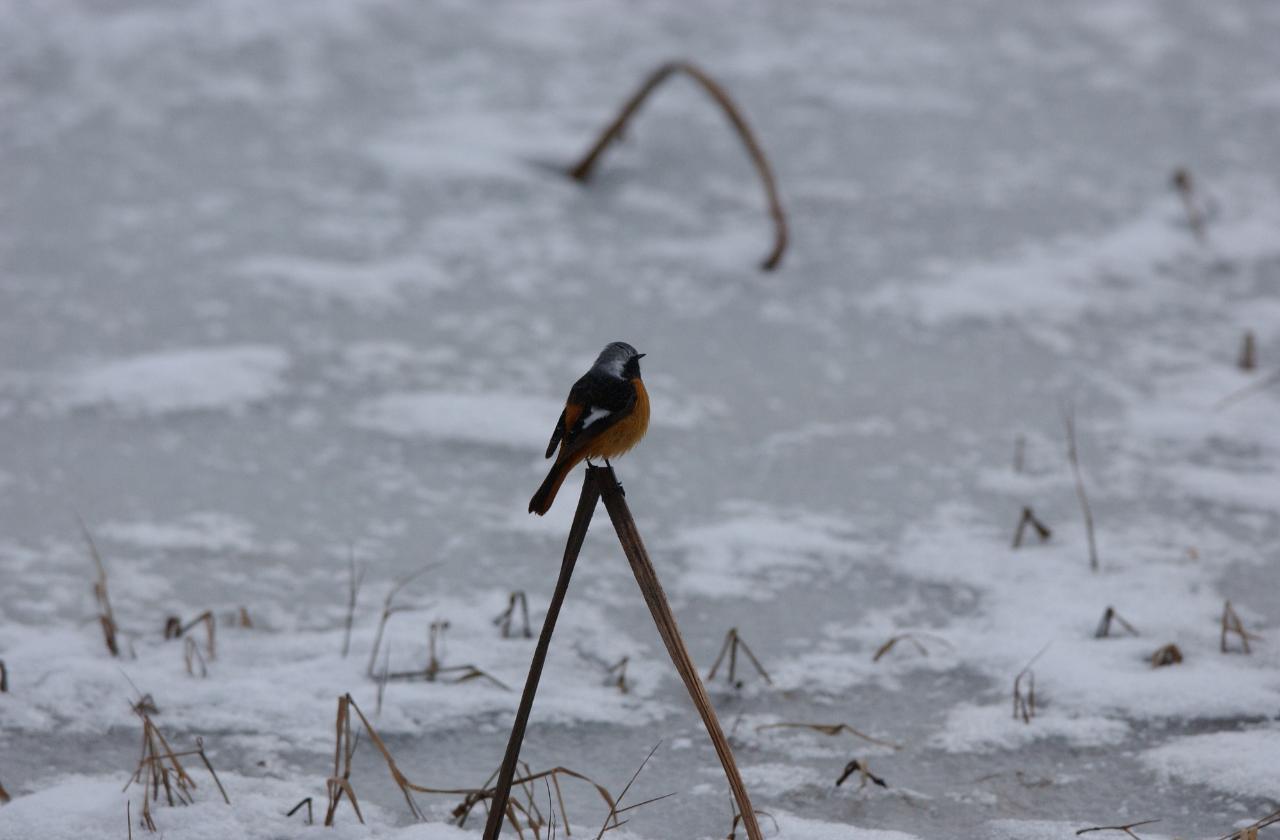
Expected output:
{"points": [[620, 359]]}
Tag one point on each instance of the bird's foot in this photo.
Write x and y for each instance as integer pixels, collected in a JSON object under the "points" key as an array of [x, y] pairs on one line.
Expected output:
{"points": [[622, 491]]}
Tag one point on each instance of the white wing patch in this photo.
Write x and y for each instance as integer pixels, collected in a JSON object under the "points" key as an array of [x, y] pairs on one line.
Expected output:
{"points": [[595, 415]]}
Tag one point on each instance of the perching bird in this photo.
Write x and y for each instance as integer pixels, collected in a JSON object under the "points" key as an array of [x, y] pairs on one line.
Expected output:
{"points": [[606, 414]]}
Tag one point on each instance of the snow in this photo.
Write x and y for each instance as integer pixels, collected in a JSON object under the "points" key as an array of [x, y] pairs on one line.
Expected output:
{"points": [[492, 419], [1236, 763], [187, 379]]}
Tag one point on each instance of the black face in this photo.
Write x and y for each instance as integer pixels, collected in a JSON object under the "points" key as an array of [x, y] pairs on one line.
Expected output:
{"points": [[620, 359]]}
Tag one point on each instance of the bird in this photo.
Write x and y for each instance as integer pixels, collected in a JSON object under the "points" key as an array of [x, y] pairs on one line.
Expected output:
{"points": [[606, 414]]}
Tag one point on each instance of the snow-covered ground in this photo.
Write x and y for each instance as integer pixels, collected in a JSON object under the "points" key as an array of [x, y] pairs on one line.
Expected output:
{"points": [[286, 284]]}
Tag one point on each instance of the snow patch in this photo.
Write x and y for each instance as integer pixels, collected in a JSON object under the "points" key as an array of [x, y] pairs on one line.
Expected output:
{"points": [[228, 378]]}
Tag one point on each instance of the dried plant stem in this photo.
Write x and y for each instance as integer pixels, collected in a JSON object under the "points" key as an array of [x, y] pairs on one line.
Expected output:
{"points": [[1250, 832], [390, 608], [577, 535], [106, 616], [210, 633], [1235, 396], [295, 809], [615, 810], [4, 677], [1024, 705], [1231, 623], [1127, 828], [865, 775], [830, 729], [1104, 626], [344, 747], [1029, 518], [1185, 188], [1248, 360], [647, 578], [354, 581], [914, 638], [582, 170], [503, 620], [1073, 456], [732, 642]]}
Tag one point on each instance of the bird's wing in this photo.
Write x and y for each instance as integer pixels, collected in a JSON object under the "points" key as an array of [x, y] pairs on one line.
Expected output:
{"points": [[600, 402]]}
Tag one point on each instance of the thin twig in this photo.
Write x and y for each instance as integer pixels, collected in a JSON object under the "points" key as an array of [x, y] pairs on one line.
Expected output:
{"points": [[614, 811], [294, 810], [912, 636], [1250, 832], [582, 170], [860, 767], [1185, 188], [1029, 518], [732, 642], [1104, 626], [354, 582], [388, 610], [1068, 417], [106, 617], [1231, 623], [1248, 360], [1127, 828], [830, 729]]}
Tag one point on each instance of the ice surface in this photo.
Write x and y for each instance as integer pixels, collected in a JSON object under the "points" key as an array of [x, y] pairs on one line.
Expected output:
{"points": [[289, 285]]}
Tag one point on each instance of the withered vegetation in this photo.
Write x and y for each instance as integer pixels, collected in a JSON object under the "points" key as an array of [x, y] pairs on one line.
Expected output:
{"points": [[582, 170], [732, 643]]}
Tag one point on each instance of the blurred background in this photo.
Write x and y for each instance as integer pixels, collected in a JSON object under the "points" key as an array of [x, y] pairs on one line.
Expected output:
{"points": [[287, 283]]}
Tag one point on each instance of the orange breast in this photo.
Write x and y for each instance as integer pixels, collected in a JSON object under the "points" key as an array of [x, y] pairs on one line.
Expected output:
{"points": [[627, 432]]}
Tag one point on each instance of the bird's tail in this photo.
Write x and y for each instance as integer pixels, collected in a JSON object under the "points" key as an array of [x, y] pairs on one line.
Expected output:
{"points": [[541, 501]]}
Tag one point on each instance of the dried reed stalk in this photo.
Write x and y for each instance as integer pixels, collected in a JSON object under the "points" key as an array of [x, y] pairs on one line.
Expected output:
{"points": [[1104, 626], [1029, 518], [295, 809], [611, 820], [106, 616], [577, 535], [1073, 456], [1231, 623], [354, 582], [830, 729], [914, 638], [389, 608], [647, 578], [159, 767], [210, 633], [1250, 832], [1248, 352], [1185, 188], [1127, 828], [864, 773], [503, 620], [1024, 705], [582, 170], [733, 641], [1167, 655]]}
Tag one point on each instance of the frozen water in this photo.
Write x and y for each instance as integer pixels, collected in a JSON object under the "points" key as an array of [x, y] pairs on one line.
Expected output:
{"points": [[285, 283]]}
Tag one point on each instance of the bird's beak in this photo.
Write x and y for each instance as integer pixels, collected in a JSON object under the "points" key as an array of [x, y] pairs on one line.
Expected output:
{"points": [[641, 355]]}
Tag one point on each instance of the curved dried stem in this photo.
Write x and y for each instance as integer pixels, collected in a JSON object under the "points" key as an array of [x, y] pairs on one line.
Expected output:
{"points": [[830, 729], [615, 129]]}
